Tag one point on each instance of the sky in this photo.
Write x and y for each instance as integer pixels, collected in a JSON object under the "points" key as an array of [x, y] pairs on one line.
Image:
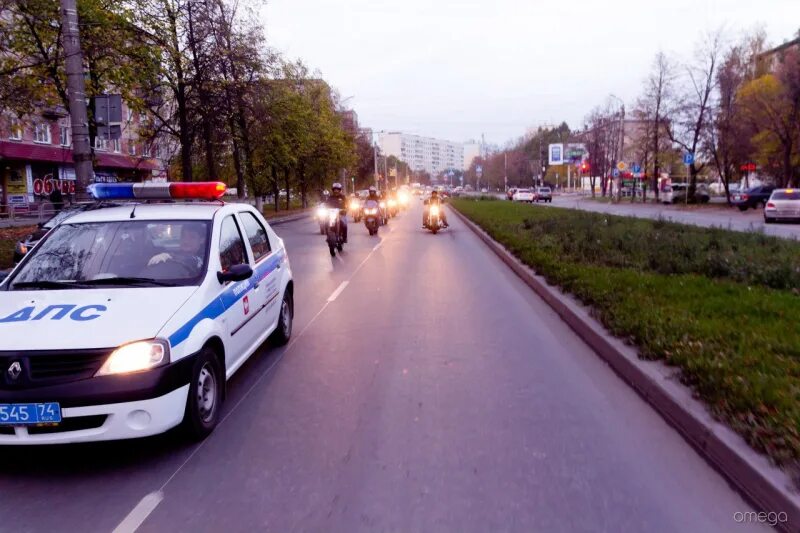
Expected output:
{"points": [[457, 69]]}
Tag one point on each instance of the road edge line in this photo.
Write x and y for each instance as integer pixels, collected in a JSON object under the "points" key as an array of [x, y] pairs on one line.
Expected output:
{"points": [[766, 486]]}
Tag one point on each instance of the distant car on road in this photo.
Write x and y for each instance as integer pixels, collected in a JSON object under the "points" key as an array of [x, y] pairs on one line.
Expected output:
{"points": [[544, 194], [510, 193], [754, 197], [524, 195], [484, 190], [783, 204]]}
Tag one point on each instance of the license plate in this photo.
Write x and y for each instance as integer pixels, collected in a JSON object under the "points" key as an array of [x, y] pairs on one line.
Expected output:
{"points": [[29, 413]]}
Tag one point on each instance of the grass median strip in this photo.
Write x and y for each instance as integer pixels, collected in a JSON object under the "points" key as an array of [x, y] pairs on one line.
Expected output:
{"points": [[721, 306]]}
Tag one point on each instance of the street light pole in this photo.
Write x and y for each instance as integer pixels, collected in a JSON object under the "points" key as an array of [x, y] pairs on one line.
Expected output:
{"points": [[76, 94]]}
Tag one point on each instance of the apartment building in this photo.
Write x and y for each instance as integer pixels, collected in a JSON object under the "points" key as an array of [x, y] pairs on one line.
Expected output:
{"points": [[423, 153]]}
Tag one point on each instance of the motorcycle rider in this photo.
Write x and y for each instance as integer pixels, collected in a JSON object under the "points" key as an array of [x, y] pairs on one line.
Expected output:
{"points": [[434, 200], [338, 201]]}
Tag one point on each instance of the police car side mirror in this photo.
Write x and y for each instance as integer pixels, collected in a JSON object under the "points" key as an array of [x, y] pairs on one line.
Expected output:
{"points": [[235, 273]]}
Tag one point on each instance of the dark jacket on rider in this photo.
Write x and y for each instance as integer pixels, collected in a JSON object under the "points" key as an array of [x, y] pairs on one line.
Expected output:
{"points": [[336, 201]]}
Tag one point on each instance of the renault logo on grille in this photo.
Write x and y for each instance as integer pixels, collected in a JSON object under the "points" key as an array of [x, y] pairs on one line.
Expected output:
{"points": [[14, 370]]}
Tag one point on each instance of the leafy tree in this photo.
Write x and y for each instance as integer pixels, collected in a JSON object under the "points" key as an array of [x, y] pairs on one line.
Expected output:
{"points": [[771, 105]]}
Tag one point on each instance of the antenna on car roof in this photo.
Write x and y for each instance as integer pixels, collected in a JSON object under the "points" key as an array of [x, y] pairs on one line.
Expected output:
{"points": [[133, 211]]}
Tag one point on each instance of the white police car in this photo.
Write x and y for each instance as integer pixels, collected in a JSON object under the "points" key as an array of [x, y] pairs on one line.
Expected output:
{"points": [[127, 319]]}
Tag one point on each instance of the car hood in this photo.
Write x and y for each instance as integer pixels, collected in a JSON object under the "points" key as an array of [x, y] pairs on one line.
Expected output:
{"points": [[85, 318]]}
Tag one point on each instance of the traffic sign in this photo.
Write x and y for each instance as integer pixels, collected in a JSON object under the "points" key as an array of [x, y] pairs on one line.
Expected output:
{"points": [[615, 173], [688, 158], [636, 168], [621, 166]]}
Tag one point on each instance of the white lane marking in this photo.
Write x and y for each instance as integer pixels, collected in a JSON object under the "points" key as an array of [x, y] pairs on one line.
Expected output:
{"points": [[338, 291], [140, 513], [375, 248]]}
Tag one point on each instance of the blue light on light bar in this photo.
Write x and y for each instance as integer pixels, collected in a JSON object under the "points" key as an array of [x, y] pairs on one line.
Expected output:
{"points": [[111, 191]]}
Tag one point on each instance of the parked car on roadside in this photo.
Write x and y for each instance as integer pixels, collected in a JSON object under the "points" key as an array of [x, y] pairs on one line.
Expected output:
{"points": [[524, 195], [754, 197], [510, 193], [680, 190], [783, 204], [24, 245], [544, 194]]}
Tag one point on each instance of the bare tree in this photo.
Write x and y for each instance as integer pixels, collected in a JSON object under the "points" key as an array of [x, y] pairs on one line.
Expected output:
{"points": [[651, 107], [727, 140], [690, 106]]}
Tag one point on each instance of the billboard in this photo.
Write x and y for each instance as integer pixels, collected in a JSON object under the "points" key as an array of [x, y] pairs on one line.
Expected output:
{"points": [[556, 154]]}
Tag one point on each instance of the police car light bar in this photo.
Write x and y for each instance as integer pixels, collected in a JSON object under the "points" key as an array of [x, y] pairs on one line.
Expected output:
{"points": [[206, 190]]}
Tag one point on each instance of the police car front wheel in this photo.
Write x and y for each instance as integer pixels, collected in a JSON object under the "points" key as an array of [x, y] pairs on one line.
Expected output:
{"points": [[205, 395]]}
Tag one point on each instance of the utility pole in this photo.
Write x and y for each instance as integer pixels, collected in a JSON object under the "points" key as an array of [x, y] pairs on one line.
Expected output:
{"points": [[505, 171], [76, 93], [375, 157]]}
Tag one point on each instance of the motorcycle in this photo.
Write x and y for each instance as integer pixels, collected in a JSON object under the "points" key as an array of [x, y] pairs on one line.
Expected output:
{"points": [[354, 208], [372, 217], [384, 213], [434, 222], [321, 216], [334, 231], [392, 206]]}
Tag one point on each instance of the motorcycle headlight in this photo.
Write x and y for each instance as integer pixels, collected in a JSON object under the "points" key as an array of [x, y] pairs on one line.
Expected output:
{"points": [[392, 203], [22, 248], [136, 357], [383, 205], [320, 212], [435, 210], [333, 214]]}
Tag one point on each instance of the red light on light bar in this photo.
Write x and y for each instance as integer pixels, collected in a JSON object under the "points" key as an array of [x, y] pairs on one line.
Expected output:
{"points": [[206, 190]]}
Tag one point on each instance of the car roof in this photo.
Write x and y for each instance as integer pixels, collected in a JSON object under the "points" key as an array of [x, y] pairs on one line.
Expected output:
{"points": [[160, 211]]}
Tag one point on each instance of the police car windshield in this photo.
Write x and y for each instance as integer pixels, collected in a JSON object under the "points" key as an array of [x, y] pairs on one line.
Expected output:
{"points": [[136, 253]]}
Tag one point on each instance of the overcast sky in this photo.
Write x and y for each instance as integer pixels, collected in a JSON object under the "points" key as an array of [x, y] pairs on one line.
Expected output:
{"points": [[456, 69]]}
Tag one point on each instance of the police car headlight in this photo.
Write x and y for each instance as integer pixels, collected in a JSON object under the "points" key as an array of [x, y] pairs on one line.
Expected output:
{"points": [[136, 357]]}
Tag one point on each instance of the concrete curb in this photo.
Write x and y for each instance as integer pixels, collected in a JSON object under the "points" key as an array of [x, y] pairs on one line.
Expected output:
{"points": [[289, 218], [766, 486]]}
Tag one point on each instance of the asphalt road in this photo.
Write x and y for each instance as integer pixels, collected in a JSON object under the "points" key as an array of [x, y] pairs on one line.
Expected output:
{"points": [[707, 216], [431, 392]]}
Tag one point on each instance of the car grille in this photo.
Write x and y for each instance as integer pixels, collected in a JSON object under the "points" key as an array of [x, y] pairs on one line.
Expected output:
{"points": [[40, 368]]}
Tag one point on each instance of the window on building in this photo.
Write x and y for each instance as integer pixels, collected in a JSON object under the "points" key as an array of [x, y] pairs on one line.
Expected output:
{"points": [[131, 147], [100, 144], [64, 136], [130, 114], [116, 144], [41, 133], [15, 133]]}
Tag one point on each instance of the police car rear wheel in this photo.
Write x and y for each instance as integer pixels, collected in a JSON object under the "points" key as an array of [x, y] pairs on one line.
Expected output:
{"points": [[205, 395]]}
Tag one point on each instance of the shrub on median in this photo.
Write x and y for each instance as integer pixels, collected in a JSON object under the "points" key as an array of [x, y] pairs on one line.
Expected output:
{"points": [[721, 306]]}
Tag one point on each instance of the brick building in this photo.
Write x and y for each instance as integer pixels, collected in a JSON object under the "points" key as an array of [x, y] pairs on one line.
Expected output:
{"points": [[36, 156]]}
